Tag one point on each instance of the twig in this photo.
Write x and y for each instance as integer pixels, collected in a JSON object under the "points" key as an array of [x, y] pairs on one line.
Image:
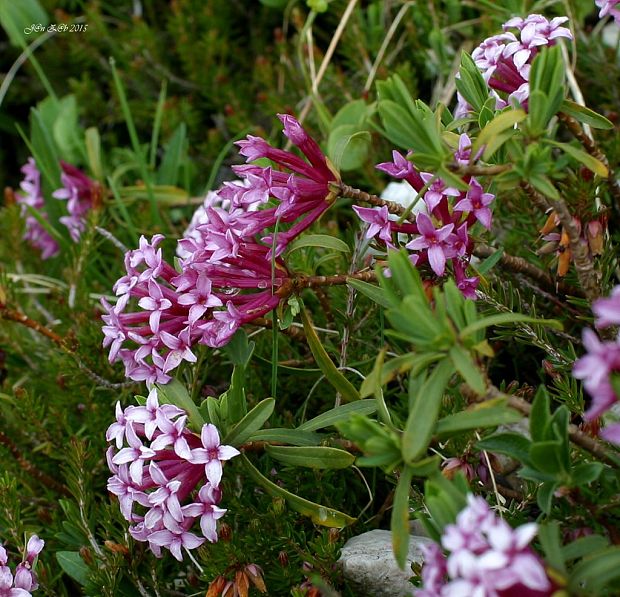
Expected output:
{"points": [[474, 170], [12, 315], [48, 481], [589, 276], [522, 266], [344, 190]]}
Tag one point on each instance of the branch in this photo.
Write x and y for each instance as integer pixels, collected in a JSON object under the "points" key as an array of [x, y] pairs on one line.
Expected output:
{"points": [[344, 190], [479, 170], [522, 266], [13, 315]]}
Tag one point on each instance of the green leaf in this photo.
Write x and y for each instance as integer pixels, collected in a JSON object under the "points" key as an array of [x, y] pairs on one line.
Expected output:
{"points": [[404, 275], [512, 444], [321, 515], [586, 159], [73, 564], [17, 17], [585, 115], [467, 368], [93, 152], [540, 414], [505, 120], [586, 473], [374, 293], [323, 241], [477, 418], [354, 112], [252, 422], [237, 401], [174, 392], [348, 146], [294, 437], [549, 535], [542, 184], [340, 413], [312, 456], [544, 497], [422, 417], [169, 169], [490, 262], [584, 546], [504, 319], [333, 376], [66, 129], [399, 524], [545, 456], [593, 573], [239, 350]]}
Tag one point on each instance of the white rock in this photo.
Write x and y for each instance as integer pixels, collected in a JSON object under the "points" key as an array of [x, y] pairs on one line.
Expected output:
{"points": [[368, 564]]}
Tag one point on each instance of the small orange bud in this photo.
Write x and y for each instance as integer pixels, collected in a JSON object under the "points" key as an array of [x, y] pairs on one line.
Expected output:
{"points": [[216, 587], [116, 548], [242, 583], [551, 223]]}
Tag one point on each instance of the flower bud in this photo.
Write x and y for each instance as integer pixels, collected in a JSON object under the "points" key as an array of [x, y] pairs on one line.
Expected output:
{"points": [[225, 533], [283, 559]]}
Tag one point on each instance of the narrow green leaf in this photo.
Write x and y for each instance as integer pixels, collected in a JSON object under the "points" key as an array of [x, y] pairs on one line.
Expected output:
{"points": [[505, 120], [323, 241], [544, 497], [73, 564], [594, 572], [540, 414], [549, 535], [340, 413], [467, 368], [321, 515], [252, 422], [422, 417], [512, 444], [586, 159], [586, 473], [399, 524], [374, 293], [584, 546], [294, 437], [506, 318], [477, 418], [174, 392], [585, 115], [318, 457], [333, 376], [490, 262], [93, 151], [169, 170]]}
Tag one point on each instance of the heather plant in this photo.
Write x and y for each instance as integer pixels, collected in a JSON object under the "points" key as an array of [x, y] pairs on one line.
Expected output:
{"points": [[382, 293]]}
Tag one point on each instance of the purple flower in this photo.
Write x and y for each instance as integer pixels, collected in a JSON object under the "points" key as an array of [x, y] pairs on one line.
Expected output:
{"points": [[212, 454], [160, 499], [476, 202], [378, 218], [25, 580], [433, 241], [485, 558], [609, 7], [607, 310], [32, 196]]}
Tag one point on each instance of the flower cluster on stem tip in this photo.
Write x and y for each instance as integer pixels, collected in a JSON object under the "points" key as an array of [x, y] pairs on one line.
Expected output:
{"points": [[486, 558], [165, 476], [445, 216], [24, 581], [505, 60], [601, 362], [609, 7], [231, 267], [78, 190]]}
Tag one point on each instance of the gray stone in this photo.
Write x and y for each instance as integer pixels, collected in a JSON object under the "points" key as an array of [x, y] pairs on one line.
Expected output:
{"points": [[368, 564]]}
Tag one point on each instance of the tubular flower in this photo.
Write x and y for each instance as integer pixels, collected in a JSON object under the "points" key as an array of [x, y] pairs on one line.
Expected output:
{"points": [[505, 60], [229, 273], [80, 193], [31, 196], [166, 478], [609, 7], [486, 558], [25, 580], [444, 217], [600, 363]]}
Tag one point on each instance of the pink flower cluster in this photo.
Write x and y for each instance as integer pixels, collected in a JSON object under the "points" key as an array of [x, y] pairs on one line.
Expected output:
{"points": [[79, 191], [25, 580], [229, 273], [32, 196], [157, 465], [505, 60], [441, 229], [609, 7], [601, 362], [486, 558]]}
